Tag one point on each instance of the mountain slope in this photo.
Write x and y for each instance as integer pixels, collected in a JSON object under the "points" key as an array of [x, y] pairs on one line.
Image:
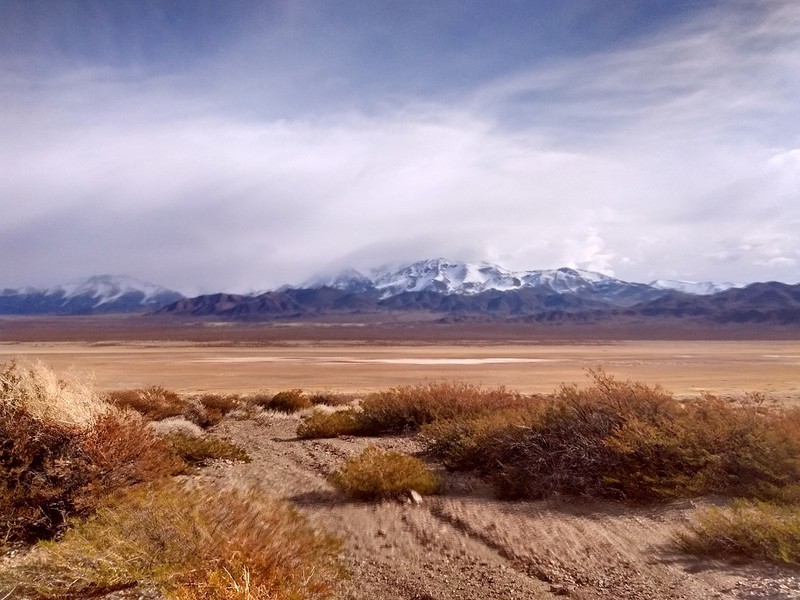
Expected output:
{"points": [[101, 294], [453, 278]]}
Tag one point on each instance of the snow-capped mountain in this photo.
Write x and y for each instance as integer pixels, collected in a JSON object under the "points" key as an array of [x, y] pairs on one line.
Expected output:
{"points": [[696, 288], [97, 294], [449, 277]]}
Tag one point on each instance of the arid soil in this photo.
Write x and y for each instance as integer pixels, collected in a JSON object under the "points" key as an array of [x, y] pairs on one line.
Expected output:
{"points": [[683, 367], [467, 545]]}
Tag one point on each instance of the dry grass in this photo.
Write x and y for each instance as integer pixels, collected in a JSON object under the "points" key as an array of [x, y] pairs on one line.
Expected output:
{"points": [[68, 400], [191, 544], [745, 529], [376, 474], [330, 399], [61, 455]]}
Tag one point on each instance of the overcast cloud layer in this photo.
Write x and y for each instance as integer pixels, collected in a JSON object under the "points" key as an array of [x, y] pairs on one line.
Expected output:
{"points": [[238, 146]]}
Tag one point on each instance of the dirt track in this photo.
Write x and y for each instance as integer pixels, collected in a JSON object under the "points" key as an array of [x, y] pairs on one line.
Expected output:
{"points": [[465, 544]]}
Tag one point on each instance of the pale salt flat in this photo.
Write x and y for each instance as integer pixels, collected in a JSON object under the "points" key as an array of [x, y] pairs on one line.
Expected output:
{"points": [[384, 361]]}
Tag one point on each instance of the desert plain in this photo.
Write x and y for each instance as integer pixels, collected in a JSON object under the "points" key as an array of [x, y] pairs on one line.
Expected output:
{"points": [[230, 357], [464, 544]]}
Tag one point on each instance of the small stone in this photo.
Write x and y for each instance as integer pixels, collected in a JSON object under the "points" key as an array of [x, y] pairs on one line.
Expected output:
{"points": [[415, 496]]}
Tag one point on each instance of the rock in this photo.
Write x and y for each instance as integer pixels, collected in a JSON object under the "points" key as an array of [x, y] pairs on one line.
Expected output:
{"points": [[415, 496]]}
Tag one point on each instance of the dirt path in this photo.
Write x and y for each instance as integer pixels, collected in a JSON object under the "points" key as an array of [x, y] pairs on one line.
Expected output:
{"points": [[466, 545]]}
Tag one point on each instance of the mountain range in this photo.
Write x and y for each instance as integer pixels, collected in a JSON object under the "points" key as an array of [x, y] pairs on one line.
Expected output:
{"points": [[100, 294], [436, 288], [451, 290]]}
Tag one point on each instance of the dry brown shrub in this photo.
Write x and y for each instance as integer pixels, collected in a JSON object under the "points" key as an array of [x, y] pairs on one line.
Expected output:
{"points": [[323, 424], [192, 544], [330, 399], [154, 403], [51, 472], [377, 474], [217, 406], [407, 408], [625, 440], [287, 401]]}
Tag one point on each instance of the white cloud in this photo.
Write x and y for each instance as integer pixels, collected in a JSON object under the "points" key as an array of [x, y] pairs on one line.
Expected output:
{"points": [[675, 157]]}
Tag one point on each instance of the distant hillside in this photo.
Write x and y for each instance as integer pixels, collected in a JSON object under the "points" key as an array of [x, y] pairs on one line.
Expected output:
{"points": [[449, 290], [101, 294]]}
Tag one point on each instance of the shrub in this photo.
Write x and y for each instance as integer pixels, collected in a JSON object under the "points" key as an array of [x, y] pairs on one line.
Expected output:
{"points": [[375, 474], [287, 401], [51, 472], [154, 403], [192, 544], [321, 424], [196, 451], [217, 406], [745, 529], [407, 408], [329, 399], [626, 440]]}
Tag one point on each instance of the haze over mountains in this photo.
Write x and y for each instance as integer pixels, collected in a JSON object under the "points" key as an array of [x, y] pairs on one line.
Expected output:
{"points": [[439, 288], [100, 294]]}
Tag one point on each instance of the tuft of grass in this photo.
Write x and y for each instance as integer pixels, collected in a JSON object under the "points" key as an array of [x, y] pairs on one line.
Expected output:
{"points": [[197, 451], [322, 424], [376, 474], [287, 401], [191, 544], [745, 529], [67, 400]]}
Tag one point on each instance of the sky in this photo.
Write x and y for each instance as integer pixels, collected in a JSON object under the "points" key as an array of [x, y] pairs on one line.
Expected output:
{"points": [[237, 145]]}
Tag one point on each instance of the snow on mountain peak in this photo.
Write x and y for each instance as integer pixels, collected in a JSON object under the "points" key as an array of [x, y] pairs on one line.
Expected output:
{"points": [[702, 288], [107, 288], [450, 277]]}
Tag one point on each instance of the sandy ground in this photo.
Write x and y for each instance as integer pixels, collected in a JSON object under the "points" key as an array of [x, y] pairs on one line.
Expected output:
{"points": [[467, 545], [684, 367]]}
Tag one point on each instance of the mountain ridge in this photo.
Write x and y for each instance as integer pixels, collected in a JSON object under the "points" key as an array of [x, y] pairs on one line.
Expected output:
{"points": [[98, 294]]}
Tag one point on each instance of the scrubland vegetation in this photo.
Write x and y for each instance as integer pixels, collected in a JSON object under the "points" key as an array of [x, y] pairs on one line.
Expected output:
{"points": [[95, 474], [92, 474], [616, 440]]}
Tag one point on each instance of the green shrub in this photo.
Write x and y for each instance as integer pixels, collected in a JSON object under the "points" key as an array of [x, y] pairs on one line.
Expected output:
{"points": [[190, 543], [745, 529], [375, 474], [196, 451], [287, 401], [321, 424]]}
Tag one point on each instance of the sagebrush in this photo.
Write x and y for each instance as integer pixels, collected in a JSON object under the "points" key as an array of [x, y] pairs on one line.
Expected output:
{"points": [[376, 474]]}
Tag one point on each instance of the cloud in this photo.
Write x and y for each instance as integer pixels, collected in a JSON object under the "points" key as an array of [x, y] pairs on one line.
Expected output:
{"points": [[671, 156]]}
